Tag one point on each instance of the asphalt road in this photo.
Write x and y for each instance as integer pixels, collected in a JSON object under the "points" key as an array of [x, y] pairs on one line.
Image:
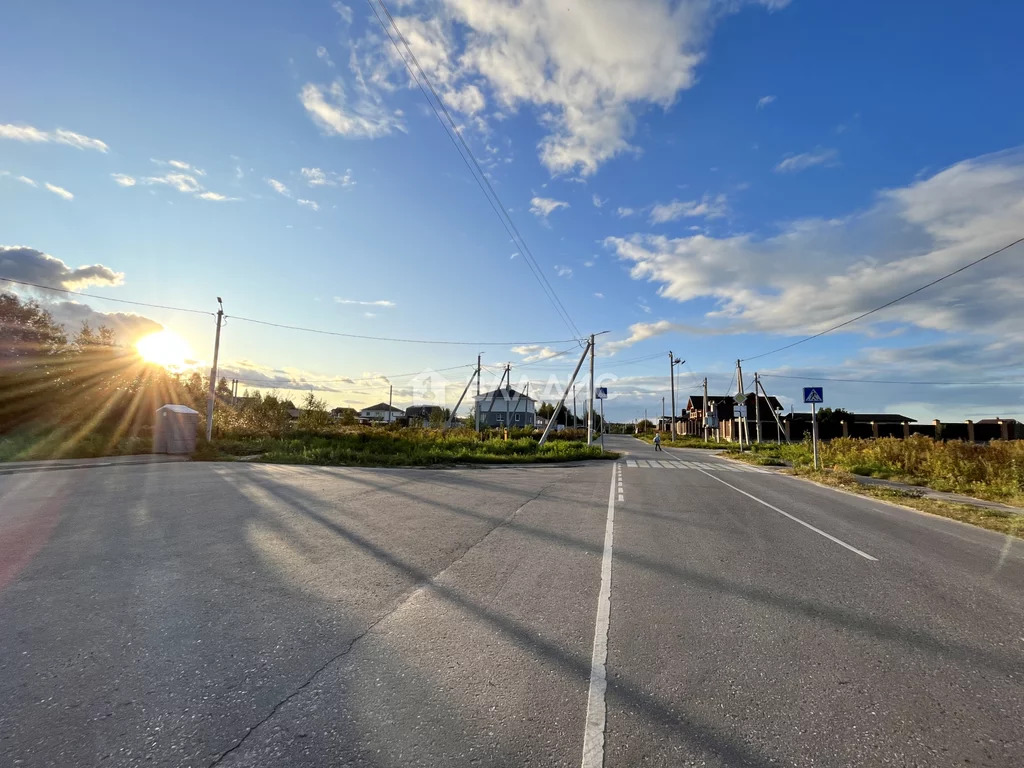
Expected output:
{"points": [[695, 613]]}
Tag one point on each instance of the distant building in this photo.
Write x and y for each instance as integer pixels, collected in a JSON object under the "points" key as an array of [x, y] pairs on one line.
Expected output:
{"points": [[381, 413], [420, 415], [501, 404]]}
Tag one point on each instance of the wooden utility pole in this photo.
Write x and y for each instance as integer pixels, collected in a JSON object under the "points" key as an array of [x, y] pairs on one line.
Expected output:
{"points": [[705, 414], [757, 405], [672, 383], [211, 396], [590, 410]]}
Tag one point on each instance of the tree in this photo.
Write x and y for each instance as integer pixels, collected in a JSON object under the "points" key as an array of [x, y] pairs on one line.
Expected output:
{"points": [[314, 416], [833, 416], [223, 389], [644, 426], [546, 410]]}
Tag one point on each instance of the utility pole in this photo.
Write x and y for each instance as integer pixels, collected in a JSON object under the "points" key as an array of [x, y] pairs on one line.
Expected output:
{"points": [[590, 409], [565, 394], [739, 391], [672, 382], [476, 408], [391, 390], [645, 421], [663, 410], [508, 394], [211, 397], [575, 421], [704, 415], [757, 404]]}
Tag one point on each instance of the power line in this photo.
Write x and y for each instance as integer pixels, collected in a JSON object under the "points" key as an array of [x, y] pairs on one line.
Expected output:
{"points": [[889, 381], [348, 379], [455, 136], [889, 304], [104, 298], [399, 340], [292, 327]]}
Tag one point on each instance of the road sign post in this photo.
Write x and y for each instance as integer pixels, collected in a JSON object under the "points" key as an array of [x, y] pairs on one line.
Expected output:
{"points": [[814, 395], [601, 393]]}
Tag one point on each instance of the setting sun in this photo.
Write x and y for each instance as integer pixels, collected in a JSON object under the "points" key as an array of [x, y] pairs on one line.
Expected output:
{"points": [[164, 348]]}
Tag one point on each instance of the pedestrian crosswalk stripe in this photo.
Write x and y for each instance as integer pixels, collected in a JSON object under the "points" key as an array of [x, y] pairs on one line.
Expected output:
{"points": [[700, 465]]}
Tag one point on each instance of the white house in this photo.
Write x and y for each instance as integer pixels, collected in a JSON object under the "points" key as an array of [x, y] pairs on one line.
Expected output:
{"points": [[381, 413], [506, 404]]}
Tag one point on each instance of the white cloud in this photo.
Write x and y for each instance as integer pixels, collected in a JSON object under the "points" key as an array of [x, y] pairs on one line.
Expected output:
{"points": [[586, 71], [545, 206], [28, 133], [708, 207], [317, 177], [185, 183], [369, 314], [598, 295], [33, 266], [643, 331], [343, 11], [598, 202], [183, 166], [22, 179], [59, 191], [367, 118], [180, 181], [123, 179], [532, 353], [624, 213], [309, 204], [361, 303], [563, 271], [278, 187], [816, 272], [324, 56], [805, 160], [764, 101]]}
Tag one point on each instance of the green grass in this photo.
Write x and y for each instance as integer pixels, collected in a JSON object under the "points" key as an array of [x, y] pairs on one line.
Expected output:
{"points": [[58, 444], [993, 471], [997, 520], [379, 447]]}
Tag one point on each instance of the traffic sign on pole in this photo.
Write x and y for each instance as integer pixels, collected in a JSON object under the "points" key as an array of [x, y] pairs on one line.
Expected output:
{"points": [[814, 395]]}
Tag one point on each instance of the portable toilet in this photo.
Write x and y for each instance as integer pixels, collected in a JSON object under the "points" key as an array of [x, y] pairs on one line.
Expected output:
{"points": [[175, 429]]}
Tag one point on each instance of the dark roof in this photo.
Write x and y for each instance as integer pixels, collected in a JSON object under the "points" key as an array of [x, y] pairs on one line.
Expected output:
{"points": [[501, 394], [421, 411], [996, 421], [881, 418], [696, 402], [382, 407]]}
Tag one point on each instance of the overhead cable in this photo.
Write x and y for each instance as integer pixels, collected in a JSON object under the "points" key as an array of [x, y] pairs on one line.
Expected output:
{"points": [[454, 134], [104, 298], [888, 304]]}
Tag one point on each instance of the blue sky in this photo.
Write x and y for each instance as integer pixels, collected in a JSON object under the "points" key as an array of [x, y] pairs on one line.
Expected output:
{"points": [[718, 178]]}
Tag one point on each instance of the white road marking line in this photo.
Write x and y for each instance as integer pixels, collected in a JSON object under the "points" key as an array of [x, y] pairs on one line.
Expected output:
{"points": [[593, 734], [820, 532], [630, 463], [667, 464]]}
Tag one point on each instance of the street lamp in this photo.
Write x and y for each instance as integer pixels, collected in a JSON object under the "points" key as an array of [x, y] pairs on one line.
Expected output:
{"points": [[673, 362]]}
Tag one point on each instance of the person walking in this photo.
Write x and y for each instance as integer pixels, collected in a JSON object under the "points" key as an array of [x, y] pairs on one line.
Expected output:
{"points": [[657, 441]]}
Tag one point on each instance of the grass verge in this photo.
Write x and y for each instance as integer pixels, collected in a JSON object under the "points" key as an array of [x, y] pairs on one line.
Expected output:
{"points": [[997, 520], [387, 448]]}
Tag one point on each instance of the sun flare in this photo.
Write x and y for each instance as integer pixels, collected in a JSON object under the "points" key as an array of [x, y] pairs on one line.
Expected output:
{"points": [[164, 348]]}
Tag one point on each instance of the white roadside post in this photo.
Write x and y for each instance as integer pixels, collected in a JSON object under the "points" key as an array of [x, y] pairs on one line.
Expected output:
{"points": [[814, 395]]}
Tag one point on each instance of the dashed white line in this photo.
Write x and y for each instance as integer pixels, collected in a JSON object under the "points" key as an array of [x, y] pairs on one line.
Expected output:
{"points": [[593, 735], [820, 532]]}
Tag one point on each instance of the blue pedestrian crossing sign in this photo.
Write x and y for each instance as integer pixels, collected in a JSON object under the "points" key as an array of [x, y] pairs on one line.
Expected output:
{"points": [[813, 395]]}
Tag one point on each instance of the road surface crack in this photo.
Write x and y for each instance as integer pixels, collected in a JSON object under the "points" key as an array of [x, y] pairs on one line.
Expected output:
{"points": [[409, 595]]}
